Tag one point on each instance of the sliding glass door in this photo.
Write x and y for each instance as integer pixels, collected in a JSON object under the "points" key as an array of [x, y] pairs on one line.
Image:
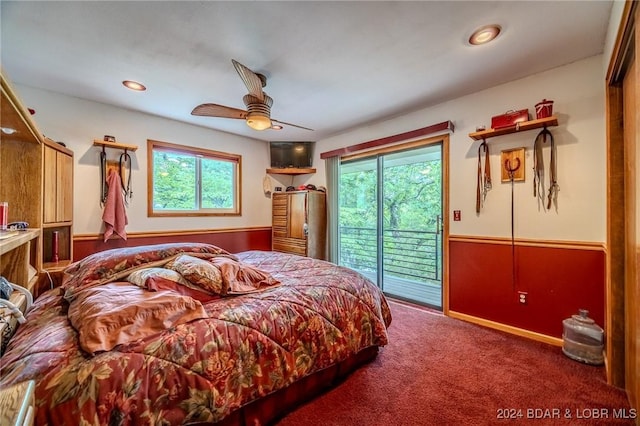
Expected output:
{"points": [[390, 221]]}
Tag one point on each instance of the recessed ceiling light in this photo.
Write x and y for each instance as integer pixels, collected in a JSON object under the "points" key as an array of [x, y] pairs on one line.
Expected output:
{"points": [[134, 85], [8, 130], [276, 127], [484, 34]]}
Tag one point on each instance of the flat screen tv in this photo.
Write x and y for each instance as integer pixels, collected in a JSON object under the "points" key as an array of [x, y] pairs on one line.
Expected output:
{"points": [[298, 155]]}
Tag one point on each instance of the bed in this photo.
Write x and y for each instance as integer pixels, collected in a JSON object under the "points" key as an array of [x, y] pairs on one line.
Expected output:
{"points": [[192, 334]]}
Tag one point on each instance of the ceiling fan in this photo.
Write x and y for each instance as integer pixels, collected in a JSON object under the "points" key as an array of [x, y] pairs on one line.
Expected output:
{"points": [[258, 113]]}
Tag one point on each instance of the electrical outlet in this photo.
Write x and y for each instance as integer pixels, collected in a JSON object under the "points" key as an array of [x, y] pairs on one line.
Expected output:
{"points": [[522, 297]]}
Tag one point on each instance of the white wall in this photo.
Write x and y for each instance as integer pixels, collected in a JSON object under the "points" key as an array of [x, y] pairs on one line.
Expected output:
{"points": [[577, 90], [78, 122]]}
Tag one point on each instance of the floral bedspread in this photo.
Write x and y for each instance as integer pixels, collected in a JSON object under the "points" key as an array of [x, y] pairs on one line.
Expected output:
{"points": [[199, 371]]}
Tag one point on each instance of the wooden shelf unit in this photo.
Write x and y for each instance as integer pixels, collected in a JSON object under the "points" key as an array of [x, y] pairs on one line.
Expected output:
{"points": [[291, 171], [57, 204], [15, 116], [17, 239], [56, 266], [115, 145], [299, 221], [21, 174], [519, 127], [37, 173], [19, 263]]}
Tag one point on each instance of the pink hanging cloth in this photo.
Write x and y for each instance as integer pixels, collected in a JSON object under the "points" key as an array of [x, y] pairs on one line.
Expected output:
{"points": [[114, 215]]}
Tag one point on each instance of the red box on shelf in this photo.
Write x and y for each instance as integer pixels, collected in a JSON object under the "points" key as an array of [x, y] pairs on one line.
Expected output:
{"points": [[509, 118], [544, 109]]}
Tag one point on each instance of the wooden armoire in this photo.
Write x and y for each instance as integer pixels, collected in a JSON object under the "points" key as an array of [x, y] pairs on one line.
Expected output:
{"points": [[300, 223]]}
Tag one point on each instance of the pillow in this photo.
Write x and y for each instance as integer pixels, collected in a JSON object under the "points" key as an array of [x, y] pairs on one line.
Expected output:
{"points": [[200, 273], [206, 256], [118, 313], [115, 264], [158, 279], [243, 278]]}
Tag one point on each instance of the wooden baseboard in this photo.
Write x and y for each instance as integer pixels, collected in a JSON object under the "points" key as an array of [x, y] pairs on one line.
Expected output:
{"points": [[506, 328]]}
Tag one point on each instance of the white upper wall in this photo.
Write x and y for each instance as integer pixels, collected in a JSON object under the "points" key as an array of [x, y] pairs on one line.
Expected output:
{"points": [[77, 123], [577, 90]]}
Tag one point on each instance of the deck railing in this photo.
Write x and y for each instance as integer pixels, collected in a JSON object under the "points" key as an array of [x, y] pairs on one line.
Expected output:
{"points": [[410, 254]]}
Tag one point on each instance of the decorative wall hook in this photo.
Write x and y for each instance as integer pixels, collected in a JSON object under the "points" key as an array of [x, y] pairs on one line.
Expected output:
{"points": [[513, 165], [512, 169]]}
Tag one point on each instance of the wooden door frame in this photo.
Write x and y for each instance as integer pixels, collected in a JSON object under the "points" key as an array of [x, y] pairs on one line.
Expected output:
{"points": [[618, 328]]}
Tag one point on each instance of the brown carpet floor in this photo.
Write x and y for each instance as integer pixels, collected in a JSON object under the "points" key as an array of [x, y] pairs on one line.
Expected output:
{"points": [[441, 371]]}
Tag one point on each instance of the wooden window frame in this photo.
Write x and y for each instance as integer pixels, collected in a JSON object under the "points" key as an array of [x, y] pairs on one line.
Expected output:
{"points": [[154, 146]]}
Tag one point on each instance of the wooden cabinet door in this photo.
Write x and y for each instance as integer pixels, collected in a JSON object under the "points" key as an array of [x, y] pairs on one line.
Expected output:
{"points": [[64, 190], [297, 215], [50, 184], [58, 186], [316, 225]]}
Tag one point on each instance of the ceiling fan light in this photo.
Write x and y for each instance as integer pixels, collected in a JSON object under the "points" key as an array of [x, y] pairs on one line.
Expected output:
{"points": [[258, 121]]}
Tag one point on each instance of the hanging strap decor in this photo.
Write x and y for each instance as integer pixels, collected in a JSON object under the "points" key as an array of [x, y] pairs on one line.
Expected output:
{"points": [[538, 170], [103, 177], [484, 176], [124, 168], [511, 169]]}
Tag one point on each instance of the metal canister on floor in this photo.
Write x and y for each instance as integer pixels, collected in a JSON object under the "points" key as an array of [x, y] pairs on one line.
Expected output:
{"points": [[583, 339]]}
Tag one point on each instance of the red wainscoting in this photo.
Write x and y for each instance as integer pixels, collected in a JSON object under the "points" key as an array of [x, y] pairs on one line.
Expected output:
{"points": [[559, 279], [232, 240]]}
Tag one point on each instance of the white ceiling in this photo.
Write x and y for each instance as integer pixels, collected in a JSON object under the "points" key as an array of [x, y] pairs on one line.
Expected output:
{"points": [[331, 66]]}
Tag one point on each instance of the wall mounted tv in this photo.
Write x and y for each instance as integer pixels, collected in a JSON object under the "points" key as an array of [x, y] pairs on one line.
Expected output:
{"points": [[298, 155]]}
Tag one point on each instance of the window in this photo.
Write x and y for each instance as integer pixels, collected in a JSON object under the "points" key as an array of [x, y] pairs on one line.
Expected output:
{"points": [[187, 181]]}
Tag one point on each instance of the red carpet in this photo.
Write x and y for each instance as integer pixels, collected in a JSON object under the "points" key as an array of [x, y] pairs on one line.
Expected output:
{"points": [[441, 371]]}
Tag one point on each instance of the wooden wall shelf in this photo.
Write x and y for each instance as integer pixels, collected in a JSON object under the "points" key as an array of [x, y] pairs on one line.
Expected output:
{"points": [[520, 127], [116, 145], [291, 171]]}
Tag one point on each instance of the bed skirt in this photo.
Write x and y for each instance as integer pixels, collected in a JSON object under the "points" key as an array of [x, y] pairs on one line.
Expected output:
{"points": [[267, 410]]}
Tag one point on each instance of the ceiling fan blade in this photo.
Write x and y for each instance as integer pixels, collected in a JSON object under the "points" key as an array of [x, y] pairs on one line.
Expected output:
{"points": [[250, 79], [215, 110], [289, 124]]}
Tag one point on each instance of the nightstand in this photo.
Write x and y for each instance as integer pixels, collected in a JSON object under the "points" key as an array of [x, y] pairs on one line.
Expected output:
{"points": [[17, 404]]}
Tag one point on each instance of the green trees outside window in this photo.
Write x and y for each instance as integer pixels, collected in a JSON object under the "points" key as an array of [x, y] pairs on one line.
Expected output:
{"points": [[390, 220], [192, 181]]}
